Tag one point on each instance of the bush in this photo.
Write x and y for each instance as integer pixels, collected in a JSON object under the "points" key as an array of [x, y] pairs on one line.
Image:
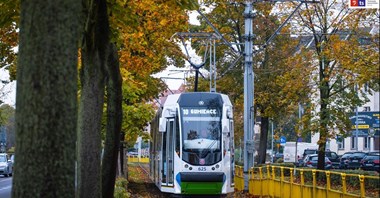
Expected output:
{"points": [[280, 160], [354, 180], [121, 188]]}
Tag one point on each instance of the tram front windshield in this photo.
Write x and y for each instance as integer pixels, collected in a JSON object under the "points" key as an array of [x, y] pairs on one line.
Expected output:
{"points": [[201, 135]]}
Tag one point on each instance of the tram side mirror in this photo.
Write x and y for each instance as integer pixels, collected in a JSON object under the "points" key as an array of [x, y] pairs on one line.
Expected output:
{"points": [[225, 126], [162, 126]]}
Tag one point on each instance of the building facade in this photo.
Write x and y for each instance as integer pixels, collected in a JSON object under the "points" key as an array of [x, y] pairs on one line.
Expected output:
{"points": [[368, 130]]}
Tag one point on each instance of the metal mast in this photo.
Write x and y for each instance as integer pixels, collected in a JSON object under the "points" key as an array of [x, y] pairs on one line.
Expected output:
{"points": [[248, 89]]}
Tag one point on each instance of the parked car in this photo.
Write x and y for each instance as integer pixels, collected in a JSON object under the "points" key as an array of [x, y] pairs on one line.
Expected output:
{"points": [[344, 160], [354, 160], [333, 157], [370, 162], [6, 166], [312, 161], [277, 156], [308, 152]]}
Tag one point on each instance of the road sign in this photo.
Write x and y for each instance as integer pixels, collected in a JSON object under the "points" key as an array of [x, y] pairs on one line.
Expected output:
{"points": [[282, 140]]}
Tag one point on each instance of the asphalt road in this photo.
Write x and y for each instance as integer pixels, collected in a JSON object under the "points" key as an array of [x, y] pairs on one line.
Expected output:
{"points": [[5, 186]]}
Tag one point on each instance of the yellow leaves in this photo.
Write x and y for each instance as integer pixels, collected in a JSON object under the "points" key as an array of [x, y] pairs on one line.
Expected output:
{"points": [[163, 22]]}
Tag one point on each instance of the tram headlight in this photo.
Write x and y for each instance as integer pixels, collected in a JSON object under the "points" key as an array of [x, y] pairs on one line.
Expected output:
{"points": [[213, 168], [191, 168], [186, 166], [217, 166]]}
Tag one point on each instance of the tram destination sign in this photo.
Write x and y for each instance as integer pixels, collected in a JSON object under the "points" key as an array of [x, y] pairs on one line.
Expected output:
{"points": [[199, 111]]}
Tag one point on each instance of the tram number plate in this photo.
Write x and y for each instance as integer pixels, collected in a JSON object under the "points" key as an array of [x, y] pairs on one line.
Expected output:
{"points": [[201, 168]]}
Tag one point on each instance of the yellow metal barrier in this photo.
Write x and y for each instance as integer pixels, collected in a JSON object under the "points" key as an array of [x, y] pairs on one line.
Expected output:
{"points": [[135, 159], [239, 178], [286, 182]]}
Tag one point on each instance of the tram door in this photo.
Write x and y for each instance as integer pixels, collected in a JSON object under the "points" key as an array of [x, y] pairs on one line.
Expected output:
{"points": [[168, 140]]}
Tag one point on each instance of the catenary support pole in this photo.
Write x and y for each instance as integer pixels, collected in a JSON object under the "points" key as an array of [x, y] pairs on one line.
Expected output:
{"points": [[248, 89]]}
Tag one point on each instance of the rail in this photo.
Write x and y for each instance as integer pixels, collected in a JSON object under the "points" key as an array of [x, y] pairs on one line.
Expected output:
{"points": [[286, 182]]}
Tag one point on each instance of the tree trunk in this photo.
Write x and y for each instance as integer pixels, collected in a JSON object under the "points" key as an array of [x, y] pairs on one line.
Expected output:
{"points": [[114, 119], [46, 99], [89, 126], [324, 115], [263, 140], [122, 157], [92, 98]]}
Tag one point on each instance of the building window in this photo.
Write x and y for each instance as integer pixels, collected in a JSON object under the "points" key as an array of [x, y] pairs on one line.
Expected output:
{"points": [[341, 144], [353, 143], [366, 143], [366, 87], [367, 109]]}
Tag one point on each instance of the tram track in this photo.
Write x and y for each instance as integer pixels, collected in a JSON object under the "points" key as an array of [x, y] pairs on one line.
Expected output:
{"points": [[144, 168]]}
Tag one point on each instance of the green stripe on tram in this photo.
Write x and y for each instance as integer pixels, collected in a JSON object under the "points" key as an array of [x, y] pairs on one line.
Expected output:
{"points": [[201, 188]]}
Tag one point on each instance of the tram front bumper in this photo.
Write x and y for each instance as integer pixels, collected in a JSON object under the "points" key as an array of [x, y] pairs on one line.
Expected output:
{"points": [[199, 183]]}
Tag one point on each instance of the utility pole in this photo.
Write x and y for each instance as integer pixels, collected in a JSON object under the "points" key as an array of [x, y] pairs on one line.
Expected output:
{"points": [[248, 89]]}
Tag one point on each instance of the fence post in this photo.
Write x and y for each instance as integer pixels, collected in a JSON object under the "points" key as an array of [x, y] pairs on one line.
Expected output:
{"points": [[314, 181], [328, 183], [269, 181], [362, 187], [250, 180], [302, 181], [291, 179], [273, 178], [282, 173], [242, 178], [282, 182], [344, 187], [261, 180]]}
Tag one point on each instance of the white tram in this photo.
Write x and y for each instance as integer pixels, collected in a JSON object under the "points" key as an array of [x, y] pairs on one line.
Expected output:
{"points": [[192, 147]]}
